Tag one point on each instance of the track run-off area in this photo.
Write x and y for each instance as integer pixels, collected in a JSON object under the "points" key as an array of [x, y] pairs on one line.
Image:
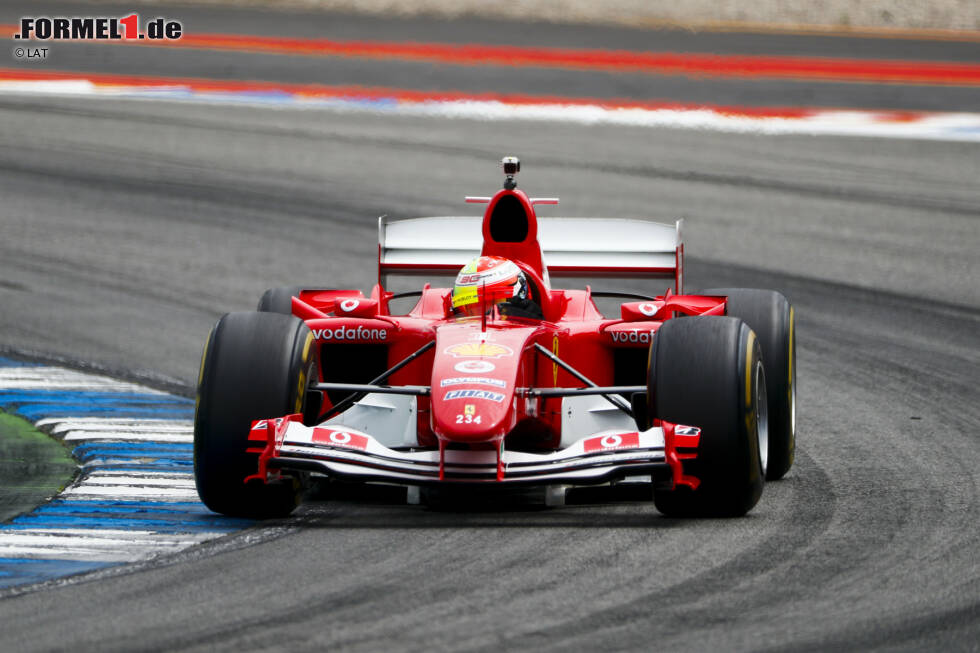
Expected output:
{"points": [[146, 191]]}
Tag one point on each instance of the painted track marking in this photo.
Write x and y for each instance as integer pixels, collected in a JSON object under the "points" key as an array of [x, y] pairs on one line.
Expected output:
{"points": [[134, 498], [949, 126], [835, 69]]}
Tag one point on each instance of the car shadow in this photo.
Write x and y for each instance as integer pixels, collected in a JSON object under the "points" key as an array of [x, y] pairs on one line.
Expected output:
{"points": [[385, 507]]}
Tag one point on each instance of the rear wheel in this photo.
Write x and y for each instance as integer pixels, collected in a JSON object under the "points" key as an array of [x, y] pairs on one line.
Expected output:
{"points": [[770, 315], [255, 366], [707, 372], [279, 300]]}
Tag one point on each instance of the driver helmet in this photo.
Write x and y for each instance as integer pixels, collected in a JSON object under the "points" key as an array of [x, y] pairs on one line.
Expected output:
{"points": [[485, 282]]}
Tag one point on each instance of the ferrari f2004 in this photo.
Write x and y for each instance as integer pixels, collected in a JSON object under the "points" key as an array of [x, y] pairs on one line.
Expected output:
{"points": [[503, 381]]}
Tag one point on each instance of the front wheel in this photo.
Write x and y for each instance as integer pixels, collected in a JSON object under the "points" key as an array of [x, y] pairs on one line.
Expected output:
{"points": [[706, 371], [770, 315], [255, 366]]}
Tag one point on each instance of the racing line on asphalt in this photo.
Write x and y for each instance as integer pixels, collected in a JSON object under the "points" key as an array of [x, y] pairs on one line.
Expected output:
{"points": [[134, 496]]}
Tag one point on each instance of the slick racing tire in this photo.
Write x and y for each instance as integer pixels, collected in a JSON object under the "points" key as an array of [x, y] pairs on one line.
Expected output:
{"points": [[771, 317], [279, 300], [707, 371], [255, 366]]}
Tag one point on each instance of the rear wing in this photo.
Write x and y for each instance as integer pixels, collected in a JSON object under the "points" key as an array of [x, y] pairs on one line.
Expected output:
{"points": [[571, 247]]}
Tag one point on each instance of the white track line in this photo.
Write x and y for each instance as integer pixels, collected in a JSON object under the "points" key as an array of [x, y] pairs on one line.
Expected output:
{"points": [[131, 493], [93, 545], [141, 480], [951, 126], [107, 426], [112, 422], [60, 378], [129, 436]]}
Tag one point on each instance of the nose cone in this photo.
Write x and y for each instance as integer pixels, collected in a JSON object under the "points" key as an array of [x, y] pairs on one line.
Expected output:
{"points": [[474, 379]]}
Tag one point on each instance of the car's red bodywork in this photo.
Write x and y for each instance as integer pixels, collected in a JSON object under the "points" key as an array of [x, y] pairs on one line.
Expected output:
{"points": [[481, 408]]}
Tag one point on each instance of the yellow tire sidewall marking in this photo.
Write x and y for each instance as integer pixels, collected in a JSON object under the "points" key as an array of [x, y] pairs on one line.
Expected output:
{"points": [[301, 383], [200, 374], [749, 368]]}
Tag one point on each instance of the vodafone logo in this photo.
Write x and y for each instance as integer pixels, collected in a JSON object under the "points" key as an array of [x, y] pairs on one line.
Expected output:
{"points": [[350, 333], [612, 441], [647, 309], [349, 305], [475, 367], [339, 438], [634, 336]]}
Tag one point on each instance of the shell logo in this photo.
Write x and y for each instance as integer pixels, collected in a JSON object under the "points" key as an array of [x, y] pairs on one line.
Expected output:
{"points": [[485, 349]]}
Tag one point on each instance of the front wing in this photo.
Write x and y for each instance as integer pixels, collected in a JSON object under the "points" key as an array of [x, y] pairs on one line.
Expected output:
{"points": [[348, 454]]}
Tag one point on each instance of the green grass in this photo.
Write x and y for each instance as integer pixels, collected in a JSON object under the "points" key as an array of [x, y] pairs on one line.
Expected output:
{"points": [[33, 466]]}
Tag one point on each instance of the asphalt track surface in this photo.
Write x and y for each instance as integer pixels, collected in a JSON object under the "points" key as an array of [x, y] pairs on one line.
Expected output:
{"points": [[128, 227]]}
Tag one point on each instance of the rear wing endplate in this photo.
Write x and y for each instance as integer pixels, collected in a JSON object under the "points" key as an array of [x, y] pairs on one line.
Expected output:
{"points": [[571, 247]]}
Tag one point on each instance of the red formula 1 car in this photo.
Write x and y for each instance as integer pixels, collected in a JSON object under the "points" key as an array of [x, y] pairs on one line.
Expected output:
{"points": [[691, 395]]}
